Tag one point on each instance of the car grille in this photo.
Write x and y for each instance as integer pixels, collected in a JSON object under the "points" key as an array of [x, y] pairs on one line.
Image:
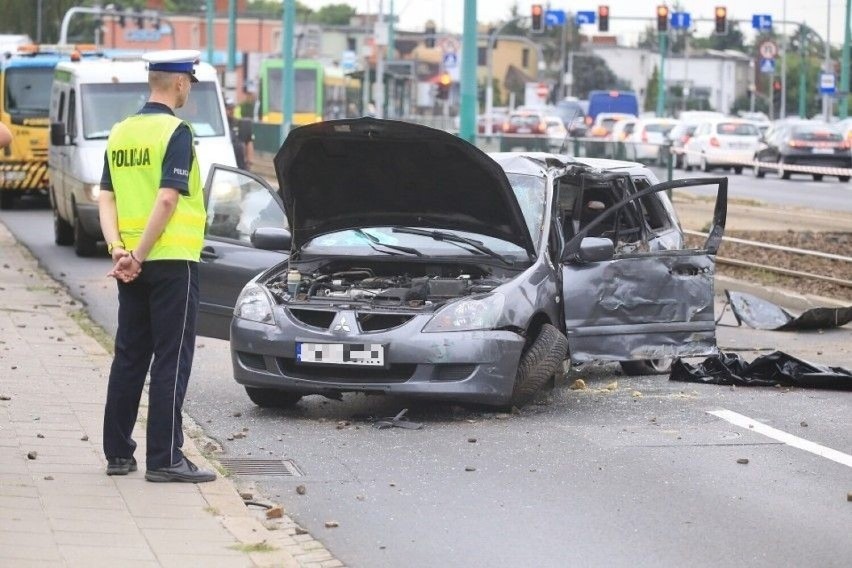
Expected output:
{"points": [[313, 318], [378, 322], [252, 360], [398, 373]]}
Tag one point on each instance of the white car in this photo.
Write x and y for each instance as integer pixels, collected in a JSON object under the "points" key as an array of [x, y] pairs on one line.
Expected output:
{"points": [[648, 137], [727, 142], [556, 132]]}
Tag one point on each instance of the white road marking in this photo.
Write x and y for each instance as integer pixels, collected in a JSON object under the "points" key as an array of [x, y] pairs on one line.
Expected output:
{"points": [[781, 436]]}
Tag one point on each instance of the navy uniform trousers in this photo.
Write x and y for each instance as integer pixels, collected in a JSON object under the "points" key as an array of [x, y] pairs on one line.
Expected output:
{"points": [[156, 318]]}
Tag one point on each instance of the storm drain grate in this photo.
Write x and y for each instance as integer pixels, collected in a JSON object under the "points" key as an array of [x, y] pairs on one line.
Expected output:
{"points": [[248, 466]]}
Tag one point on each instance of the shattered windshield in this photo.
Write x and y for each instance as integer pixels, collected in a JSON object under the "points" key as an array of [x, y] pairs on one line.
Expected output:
{"points": [[530, 193]]}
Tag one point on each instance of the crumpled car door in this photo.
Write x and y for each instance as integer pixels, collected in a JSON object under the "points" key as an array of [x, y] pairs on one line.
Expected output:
{"points": [[643, 304], [238, 203]]}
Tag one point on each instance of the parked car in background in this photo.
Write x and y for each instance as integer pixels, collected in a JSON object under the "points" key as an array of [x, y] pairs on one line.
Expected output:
{"points": [[621, 102], [525, 121], [725, 142], [648, 138], [573, 116], [804, 144], [469, 282], [557, 134], [622, 129], [605, 122], [678, 137]]}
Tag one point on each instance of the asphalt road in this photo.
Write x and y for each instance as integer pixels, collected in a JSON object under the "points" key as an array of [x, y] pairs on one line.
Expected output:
{"points": [[640, 475]]}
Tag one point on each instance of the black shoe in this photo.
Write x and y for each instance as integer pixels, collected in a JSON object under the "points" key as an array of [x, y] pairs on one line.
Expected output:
{"points": [[184, 470], [120, 466]]}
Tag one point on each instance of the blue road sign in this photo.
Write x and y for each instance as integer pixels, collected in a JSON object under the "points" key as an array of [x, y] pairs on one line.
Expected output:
{"points": [[451, 60], [554, 17], [761, 21], [827, 84], [681, 20], [767, 66], [585, 17]]}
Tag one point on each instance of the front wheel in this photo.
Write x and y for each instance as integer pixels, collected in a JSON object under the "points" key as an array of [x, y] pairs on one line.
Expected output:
{"points": [[817, 177], [782, 173], [844, 179], [538, 364], [63, 232], [647, 367], [272, 398], [705, 166], [7, 199], [738, 170], [84, 244]]}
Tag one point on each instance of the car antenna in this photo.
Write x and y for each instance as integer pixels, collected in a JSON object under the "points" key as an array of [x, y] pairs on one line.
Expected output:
{"points": [[567, 133]]}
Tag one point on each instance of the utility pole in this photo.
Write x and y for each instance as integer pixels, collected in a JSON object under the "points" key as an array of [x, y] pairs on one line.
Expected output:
{"points": [[288, 74], [661, 76], [783, 111], [826, 66], [210, 45], [379, 38], [467, 124], [844, 65], [232, 35], [803, 93]]}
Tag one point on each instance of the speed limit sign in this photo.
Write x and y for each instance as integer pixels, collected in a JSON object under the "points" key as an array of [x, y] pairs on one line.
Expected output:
{"points": [[768, 50]]}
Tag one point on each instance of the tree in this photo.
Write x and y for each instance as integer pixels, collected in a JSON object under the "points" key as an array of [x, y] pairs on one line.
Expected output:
{"points": [[592, 73], [335, 14], [734, 39], [652, 90]]}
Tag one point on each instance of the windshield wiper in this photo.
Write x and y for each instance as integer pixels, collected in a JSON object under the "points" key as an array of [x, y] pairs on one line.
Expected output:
{"points": [[453, 238], [375, 239]]}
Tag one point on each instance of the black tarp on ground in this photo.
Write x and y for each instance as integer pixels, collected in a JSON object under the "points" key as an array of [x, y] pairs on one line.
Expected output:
{"points": [[777, 368], [762, 314]]}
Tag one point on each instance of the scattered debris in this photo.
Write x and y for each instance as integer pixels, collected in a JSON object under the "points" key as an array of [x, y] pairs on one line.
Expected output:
{"points": [[612, 386], [237, 414], [301, 489], [246, 495], [803, 424], [470, 468], [762, 314], [300, 530], [849, 496], [472, 440], [742, 461], [239, 435], [5, 396], [85, 438], [48, 478], [579, 384], [275, 513], [636, 394], [32, 455], [39, 435], [501, 416], [360, 497], [399, 421], [343, 424], [775, 369], [331, 524]]}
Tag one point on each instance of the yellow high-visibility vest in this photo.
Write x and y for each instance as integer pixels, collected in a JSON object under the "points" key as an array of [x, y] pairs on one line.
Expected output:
{"points": [[135, 150]]}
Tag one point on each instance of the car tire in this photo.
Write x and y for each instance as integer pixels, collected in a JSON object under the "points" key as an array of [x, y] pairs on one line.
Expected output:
{"points": [[647, 367], [817, 177], [272, 398], [782, 173], [844, 179], [738, 170], [84, 244], [759, 173], [538, 364], [7, 199], [705, 166], [63, 232]]}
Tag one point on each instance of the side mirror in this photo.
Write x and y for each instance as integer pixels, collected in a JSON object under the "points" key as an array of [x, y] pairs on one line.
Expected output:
{"points": [[271, 238], [595, 249], [57, 134]]}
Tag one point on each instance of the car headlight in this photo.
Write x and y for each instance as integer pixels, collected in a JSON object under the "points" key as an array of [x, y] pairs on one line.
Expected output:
{"points": [[254, 304], [92, 191], [468, 314]]}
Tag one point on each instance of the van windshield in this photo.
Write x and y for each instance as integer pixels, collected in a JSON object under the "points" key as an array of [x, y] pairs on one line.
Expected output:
{"points": [[104, 104]]}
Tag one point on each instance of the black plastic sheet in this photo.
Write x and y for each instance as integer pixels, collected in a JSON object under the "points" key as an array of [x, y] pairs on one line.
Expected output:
{"points": [[777, 368], [762, 314]]}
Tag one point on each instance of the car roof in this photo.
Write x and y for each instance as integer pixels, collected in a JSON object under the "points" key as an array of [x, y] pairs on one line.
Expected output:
{"points": [[535, 163]]}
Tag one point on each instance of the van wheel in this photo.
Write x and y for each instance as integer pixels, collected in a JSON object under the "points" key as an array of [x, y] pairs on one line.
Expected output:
{"points": [[647, 367], [738, 170], [7, 199], [759, 173], [63, 232], [84, 244], [817, 177], [538, 364], [272, 398], [844, 179]]}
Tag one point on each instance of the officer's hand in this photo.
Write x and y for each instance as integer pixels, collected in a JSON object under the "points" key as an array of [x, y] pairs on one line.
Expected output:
{"points": [[125, 269]]}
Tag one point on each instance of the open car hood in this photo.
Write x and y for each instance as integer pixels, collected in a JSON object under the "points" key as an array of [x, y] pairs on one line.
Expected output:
{"points": [[364, 172]]}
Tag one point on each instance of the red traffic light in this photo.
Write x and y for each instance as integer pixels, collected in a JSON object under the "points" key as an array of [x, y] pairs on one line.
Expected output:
{"points": [[776, 85], [603, 18], [662, 18], [721, 20], [537, 18]]}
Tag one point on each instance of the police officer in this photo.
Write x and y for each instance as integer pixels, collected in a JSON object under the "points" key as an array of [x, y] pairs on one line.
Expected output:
{"points": [[152, 216], [241, 137]]}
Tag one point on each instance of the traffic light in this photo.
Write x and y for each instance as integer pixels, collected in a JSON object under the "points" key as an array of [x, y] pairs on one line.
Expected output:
{"points": [[776, 85], [721, 20], [537, 18], [444, 82], [430, 34], [662, 18], [603, 18]]}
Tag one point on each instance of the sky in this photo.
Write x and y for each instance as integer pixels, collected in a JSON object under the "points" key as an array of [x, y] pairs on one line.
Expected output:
{"points": [[449, 14]]}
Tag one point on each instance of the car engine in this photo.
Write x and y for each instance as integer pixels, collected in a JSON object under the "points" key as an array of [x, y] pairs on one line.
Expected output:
{"points": [[423, 286]]}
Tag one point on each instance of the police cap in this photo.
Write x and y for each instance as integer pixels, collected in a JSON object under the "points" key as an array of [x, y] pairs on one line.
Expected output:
{"points": [[174, 61]]}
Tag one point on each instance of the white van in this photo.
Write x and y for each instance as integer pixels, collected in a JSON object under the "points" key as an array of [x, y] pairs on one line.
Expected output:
{"points": [[91, 95]]}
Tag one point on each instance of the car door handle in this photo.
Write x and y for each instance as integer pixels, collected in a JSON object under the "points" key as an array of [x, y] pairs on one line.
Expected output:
{"points": [[209, 253]]}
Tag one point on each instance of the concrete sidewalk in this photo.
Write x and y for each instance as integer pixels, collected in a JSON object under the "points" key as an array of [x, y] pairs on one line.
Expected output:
{"points": [[57, 506]]}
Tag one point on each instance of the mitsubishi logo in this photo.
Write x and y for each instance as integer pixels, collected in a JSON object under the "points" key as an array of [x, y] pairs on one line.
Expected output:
{"points": [[342, 325]]}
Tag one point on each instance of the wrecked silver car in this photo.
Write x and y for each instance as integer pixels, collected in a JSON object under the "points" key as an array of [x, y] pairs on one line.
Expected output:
{"points": [[410, 262]]}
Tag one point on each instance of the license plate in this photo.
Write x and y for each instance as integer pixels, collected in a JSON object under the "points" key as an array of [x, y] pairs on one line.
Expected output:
{"points": [[524, 130], [823, 150], [362, 354]]}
